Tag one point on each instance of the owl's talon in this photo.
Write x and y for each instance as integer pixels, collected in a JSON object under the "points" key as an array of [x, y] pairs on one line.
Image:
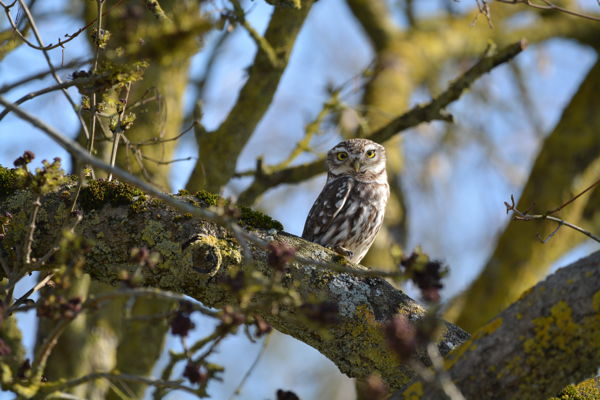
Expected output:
{"points": [[343, 251]]}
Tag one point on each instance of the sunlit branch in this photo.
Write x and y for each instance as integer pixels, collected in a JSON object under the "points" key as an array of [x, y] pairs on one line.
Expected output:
{"points": [[434, 110]]}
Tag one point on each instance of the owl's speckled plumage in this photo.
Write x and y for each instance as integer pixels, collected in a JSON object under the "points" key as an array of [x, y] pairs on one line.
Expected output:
{"points": [[349, 211]]}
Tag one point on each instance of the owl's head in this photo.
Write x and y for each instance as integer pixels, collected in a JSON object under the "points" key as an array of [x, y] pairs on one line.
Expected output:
{"points": [[357, 157]]}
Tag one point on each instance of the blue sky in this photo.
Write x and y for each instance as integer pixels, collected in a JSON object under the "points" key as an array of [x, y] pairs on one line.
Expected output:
{"points": [[455, 216]]}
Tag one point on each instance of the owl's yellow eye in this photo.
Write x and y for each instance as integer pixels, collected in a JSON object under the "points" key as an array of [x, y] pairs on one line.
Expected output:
{"points": [[370, 153], [342, 155]]}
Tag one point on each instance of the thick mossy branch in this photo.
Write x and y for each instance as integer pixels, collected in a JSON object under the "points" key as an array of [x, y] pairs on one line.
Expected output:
{"points": [[586, 390], [549, 338], [198, 258]]}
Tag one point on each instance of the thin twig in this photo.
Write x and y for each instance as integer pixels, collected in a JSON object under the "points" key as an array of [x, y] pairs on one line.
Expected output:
{"points": [[26, 296], [524, 216], [175, 160], [177, 385], [92, 136], [41, 356], [49, 89], [441, 374], [575, 197], [262, 43], [551, 6], [155, 140], [259, 355], [41, 75], [51, 46], [38, 38], [119, 130], [150, 292], [28, 243]]}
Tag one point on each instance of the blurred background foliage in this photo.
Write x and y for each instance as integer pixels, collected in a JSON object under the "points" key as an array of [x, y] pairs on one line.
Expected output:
{"points": [[269, 86]]}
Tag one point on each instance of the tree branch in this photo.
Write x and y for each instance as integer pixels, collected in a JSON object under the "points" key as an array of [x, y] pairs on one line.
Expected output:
{"points": [[534, 348], [253, 101], [201, 270], [434, 110]]}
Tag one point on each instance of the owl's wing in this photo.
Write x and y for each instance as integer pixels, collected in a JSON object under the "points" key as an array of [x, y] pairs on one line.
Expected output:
{"points": [[327, 206]]}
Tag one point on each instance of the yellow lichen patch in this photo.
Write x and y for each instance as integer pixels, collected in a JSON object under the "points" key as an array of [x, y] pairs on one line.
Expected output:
{"points": [[487, 329], [490, 327], [513, 367], [367, 332], [413, 392], [152, 232], [596, 301], [519, 316], [558, 346], [560, 318]]}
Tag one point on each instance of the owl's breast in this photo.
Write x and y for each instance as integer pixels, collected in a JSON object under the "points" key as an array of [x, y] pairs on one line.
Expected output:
{"points": [[358, 221]]}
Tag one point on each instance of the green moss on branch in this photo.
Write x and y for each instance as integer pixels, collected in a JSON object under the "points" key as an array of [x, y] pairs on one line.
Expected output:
{"points": [[100, 192]]}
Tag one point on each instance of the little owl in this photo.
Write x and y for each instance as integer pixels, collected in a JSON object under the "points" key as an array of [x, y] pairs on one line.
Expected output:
{"points": [[349, 211]]}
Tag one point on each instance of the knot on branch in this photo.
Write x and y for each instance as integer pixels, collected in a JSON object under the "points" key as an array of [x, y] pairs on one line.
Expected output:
{"points": [[206, 256]]}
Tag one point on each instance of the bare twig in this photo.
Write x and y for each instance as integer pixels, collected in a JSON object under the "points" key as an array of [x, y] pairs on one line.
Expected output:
{"points": [[41, 356], [49, 89], [154, 140], [29, 241], [40, 42], [593, 185], [40, 75], [31, 291], [441, 374], [51, 46], [525, 216], [113, 376], [175, 160], [261, 352], [94, 103], [550, 6], [119, 130]]}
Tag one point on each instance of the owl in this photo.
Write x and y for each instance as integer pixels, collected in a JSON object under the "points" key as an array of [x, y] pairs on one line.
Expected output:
{"points": [[349, 210]]}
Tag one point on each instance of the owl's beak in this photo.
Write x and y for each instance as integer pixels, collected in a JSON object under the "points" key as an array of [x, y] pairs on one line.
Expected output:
{"points": [[356, 165]]}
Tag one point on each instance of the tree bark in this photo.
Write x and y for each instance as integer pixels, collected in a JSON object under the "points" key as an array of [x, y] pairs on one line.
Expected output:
{"points": [[549, 338]]}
